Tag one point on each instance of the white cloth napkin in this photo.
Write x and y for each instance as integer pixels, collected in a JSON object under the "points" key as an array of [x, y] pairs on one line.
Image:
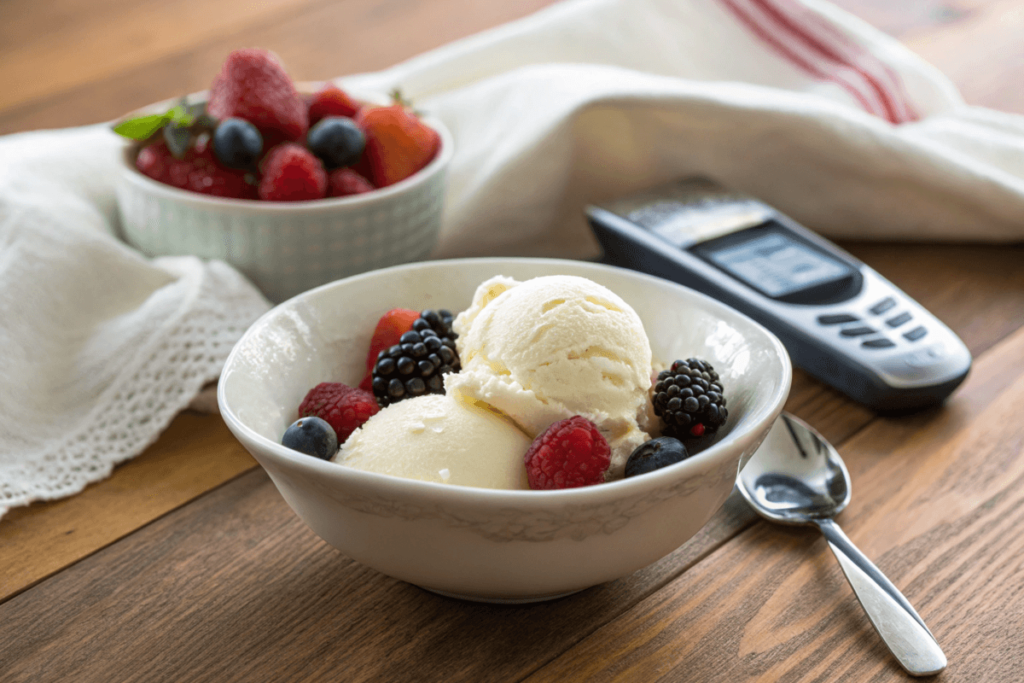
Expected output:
{"points": [[791, 100]]}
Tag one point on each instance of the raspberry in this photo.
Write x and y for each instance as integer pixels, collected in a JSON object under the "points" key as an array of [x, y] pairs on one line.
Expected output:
{"points": [[198, 171], [344, 182], [252, 85], [291, 173], [155, 161], [331, 100], [343, 407], [568, 454], [209, 176]]}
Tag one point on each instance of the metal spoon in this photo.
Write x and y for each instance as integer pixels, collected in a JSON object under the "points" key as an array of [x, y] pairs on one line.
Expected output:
{"points": [[796, 477]]}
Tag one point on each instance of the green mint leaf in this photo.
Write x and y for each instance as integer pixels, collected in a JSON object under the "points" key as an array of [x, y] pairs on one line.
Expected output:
{"points": [[141, 127]]}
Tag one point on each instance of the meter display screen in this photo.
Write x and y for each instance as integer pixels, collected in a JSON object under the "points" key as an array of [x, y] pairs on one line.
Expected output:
{"points": [[773, 261]]}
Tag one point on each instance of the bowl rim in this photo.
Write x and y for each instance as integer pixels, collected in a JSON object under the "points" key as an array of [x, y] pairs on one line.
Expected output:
{"points": [[131, 174], [324, 470]]}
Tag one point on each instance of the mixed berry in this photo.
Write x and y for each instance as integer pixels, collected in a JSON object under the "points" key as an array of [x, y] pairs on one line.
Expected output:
{"points": [[257, 137], [409, 354], [312, 436]]}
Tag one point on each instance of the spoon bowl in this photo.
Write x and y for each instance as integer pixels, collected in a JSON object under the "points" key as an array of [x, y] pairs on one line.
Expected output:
{"points": [[805, 479], [797, 477]]}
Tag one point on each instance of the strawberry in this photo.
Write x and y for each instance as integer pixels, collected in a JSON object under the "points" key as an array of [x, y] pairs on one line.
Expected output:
{"points": [[331, 100], [253, 85], [292, 173], [343, 182], [397, 143], [391, 326]]}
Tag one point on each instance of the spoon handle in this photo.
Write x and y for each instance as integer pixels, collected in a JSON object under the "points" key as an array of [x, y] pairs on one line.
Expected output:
{"points": [[903, 631]]}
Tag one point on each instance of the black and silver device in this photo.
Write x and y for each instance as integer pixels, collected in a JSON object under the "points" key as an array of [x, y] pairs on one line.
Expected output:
{"points": [[840, 320]]}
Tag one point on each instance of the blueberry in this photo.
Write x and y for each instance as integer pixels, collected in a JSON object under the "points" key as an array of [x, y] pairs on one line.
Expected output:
{"points": [[655, 454], [312, 436], [237, 143], [337, 140]]}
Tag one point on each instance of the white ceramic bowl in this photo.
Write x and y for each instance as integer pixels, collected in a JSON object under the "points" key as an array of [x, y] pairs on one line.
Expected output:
{"points": [[484, 544], [287, 247]]}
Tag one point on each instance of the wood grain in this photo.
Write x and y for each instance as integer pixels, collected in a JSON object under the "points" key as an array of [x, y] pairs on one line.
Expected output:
{"points": [[316, 41], [936, 498], [195, 454]]}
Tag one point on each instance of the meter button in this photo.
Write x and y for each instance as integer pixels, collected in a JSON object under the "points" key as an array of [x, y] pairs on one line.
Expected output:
{"points": [[856, 331], [916, 333], [883, 305], [837, 319], [898, 320], [879, 343]]}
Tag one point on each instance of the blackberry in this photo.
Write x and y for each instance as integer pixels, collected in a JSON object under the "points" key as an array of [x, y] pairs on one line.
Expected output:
{"points": [[688, 398], [415, 365]]}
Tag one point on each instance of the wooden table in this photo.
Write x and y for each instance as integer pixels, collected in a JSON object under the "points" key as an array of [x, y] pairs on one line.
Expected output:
{"points": [[186, 564]]}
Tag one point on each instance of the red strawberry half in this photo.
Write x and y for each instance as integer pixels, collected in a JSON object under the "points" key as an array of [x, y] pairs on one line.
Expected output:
{"points": [[397, 143], [391, 326], [253, 85]]}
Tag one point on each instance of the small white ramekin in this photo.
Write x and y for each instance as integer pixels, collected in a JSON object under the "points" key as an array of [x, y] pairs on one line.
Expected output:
{"points": [[286, 248]]}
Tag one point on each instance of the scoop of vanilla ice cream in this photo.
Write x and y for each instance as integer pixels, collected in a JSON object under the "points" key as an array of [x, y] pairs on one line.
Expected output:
{"points": [[552, 347], [438, 438]]}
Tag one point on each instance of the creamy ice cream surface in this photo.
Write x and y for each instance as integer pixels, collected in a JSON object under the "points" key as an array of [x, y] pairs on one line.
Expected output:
{"points": [[438, 438], [552, 347]]}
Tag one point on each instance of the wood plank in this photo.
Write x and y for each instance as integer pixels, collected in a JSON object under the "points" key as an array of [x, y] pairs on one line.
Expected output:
{"points": [[117, 36], [195, 454], [936, 499], [315, 40], [319, 41]]}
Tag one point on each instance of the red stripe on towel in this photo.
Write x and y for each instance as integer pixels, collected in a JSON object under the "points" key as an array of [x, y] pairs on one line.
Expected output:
{"points": [[839, 51], [766, 32], [855, 53]]}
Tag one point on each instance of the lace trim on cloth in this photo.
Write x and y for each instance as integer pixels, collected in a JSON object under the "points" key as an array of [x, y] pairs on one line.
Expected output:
{"points": [[169, 369]]}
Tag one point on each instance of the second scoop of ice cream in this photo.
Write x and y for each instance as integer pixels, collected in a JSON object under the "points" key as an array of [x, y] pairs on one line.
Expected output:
{"points": [[440, 439], [553, 347]]}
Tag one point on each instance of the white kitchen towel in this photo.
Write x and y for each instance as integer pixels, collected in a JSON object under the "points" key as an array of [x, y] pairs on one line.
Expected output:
{"points": [[794, 101]]}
